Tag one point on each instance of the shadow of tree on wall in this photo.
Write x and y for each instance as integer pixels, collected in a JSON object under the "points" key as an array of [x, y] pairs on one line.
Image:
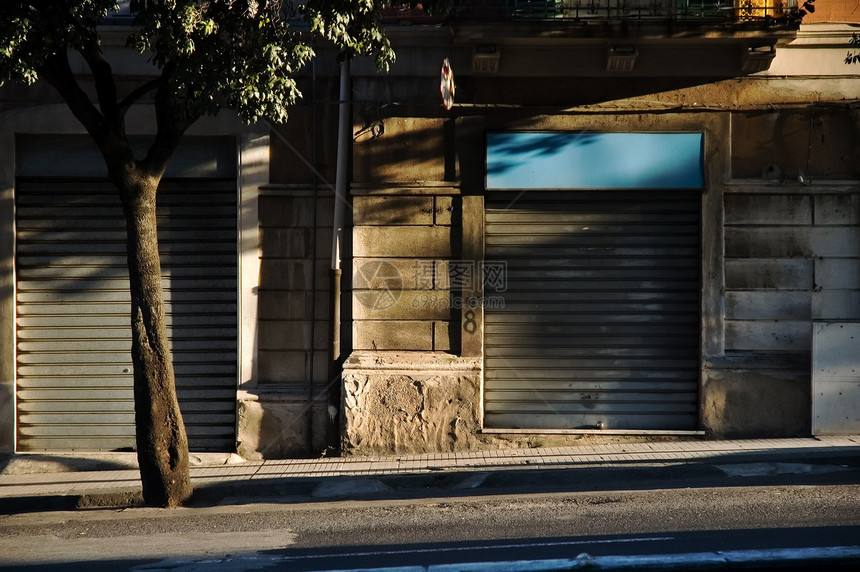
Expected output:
{"points": [[600, 320], [75, 381]]}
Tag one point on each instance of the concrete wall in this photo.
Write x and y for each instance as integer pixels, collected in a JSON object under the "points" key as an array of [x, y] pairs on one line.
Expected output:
{"points": [[779, 231], [402, 250], [779, 239], [792, 254], [406, 386], [792, 257], [285, 412], [290, 409]]}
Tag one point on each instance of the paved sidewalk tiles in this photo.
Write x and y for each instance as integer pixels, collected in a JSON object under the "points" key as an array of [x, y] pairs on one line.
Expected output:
{"points": [[52, 483]]}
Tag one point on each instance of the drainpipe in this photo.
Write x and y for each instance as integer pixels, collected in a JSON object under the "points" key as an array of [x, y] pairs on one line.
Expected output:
{"points": [[314, 187], [343, 141], [343, 133]]}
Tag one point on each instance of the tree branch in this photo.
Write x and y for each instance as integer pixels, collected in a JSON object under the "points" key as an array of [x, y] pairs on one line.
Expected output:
{"points": [[136, 94], [171, 120], [103, 76], [107, 133], [57, 72]]}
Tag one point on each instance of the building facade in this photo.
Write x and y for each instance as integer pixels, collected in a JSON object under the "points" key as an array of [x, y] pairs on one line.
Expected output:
{"points": [[636, 220]]}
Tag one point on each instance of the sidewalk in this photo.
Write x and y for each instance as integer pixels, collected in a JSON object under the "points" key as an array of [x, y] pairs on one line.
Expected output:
{"points": [[31, 482]]}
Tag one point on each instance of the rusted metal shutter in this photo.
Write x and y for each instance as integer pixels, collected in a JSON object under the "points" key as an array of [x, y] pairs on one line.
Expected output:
{"points": [[74, 384], [599, 326]]}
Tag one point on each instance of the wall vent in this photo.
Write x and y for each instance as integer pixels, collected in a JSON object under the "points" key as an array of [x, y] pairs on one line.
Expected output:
{"points": [[485, 58], [621, 58]]}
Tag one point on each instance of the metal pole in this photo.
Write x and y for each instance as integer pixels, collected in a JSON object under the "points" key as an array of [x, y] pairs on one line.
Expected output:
{"points": [[343, 140]]}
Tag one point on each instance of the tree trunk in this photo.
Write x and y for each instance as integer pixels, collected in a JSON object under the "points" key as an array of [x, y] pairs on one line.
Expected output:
{"points": [[162, 445]]}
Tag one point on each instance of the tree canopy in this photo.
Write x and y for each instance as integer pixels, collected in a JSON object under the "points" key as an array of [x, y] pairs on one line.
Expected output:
{"points": [[241, 54]]}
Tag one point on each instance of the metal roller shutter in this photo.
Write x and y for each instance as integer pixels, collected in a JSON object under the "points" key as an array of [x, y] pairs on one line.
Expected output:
{"points": [[600, 322], [74, 366]]}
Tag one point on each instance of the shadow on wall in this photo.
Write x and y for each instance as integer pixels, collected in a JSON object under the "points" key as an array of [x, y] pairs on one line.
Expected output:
{"points": [[597, 319], [804, 144], [284, 427], [73, 299], [742, 403]]}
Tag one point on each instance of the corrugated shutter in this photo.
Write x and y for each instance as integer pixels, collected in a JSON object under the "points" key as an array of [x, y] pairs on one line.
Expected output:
{"points": [[74, 366], [600, 321]]}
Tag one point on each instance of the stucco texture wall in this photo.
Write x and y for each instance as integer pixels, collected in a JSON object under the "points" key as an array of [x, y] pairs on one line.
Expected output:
{"points": [[393, 405], [748, 399]]}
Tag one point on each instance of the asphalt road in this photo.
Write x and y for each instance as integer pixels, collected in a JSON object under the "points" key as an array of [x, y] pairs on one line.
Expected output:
{"points": [[425, 531]]}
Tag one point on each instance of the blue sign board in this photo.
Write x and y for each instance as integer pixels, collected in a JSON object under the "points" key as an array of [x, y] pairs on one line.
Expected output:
{"points": [[586, 160]]}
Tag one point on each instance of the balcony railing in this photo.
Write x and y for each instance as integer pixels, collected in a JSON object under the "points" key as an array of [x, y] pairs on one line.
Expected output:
{"points": [[610, 10], [715, 11]]}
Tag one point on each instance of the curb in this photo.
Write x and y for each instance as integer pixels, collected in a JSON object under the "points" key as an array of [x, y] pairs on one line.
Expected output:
{"points": [[572, 480], [826, 558]]}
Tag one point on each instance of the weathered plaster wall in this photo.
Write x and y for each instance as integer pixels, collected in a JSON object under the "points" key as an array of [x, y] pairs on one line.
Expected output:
{"points": [[815, 142], [405, 234], [284, 411], [756, 396], [398, 148], [294, 307], [273, 426], [835, 11], [777, 253], [792, 257], [410, 403]]}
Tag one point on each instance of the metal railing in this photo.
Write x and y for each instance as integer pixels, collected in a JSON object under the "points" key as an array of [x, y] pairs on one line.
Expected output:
{"points": [[609, 10], [571, 10]]}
